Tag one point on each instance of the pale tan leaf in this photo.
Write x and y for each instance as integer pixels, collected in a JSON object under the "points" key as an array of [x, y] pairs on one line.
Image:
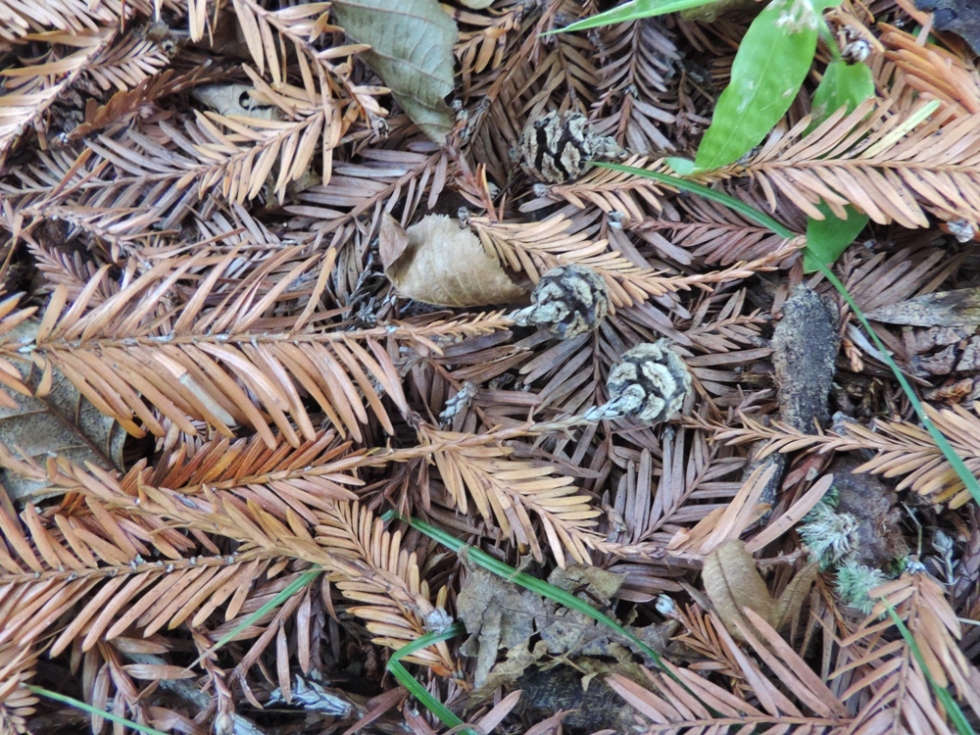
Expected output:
{"points": [[733, 582], [438, 262]]}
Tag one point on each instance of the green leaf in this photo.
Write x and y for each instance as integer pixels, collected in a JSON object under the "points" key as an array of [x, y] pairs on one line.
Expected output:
{"points": [[826, 239], [771, 64], [632, 11], [412, 51], [680, 166], [842, 85]]}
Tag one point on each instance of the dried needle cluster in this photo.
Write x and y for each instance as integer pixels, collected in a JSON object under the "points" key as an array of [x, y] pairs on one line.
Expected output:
{"points": [[233, 292]]}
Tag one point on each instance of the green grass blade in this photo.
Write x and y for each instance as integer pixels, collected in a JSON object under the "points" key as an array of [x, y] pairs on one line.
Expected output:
{"points": [[955, 461], [85, 707], [751, 213], [288, 591], [539, 586], [395, 666], [951, 706], [900, 131], [291, 589], [635, 10]]}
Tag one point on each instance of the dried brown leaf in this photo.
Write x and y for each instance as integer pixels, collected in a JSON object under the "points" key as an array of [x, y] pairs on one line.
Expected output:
{"points": [[440, 262], [733, 583], [53, 419], [960, 308]]}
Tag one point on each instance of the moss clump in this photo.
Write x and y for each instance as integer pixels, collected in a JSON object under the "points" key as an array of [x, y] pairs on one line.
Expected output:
{"points": [[854, 532]]}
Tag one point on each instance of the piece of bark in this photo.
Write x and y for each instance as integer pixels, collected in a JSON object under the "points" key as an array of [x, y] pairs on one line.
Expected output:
{"points": [[961, 17], [959, 308], [560, 688], [805, 344]]}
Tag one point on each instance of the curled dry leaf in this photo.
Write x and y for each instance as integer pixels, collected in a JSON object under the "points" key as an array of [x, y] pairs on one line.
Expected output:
{"points": [[497, 615], [501, 617], [732, 582], [438, 262]]}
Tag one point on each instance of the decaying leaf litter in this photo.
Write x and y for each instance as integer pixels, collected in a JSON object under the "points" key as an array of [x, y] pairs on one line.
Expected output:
{"points": [[324, 261]]}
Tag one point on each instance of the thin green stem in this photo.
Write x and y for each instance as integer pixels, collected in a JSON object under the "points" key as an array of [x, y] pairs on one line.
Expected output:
{"points": [[95, 711], [945, 698], [288, 591]]}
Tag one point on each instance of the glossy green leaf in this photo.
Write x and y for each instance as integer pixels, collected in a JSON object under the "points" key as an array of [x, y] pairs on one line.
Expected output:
{"points": [[826, 239], [771, 64], [412, 51], [632, 11], [842, 85]]}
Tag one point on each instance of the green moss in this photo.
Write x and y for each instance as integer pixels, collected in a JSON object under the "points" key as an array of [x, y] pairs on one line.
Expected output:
{"points": [[855, 581], [828, 534]]}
